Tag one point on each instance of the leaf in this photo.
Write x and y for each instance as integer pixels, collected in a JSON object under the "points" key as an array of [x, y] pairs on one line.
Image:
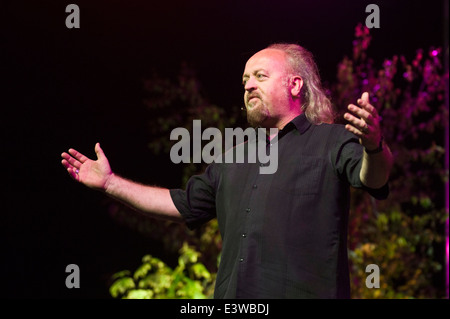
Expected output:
{"points": [[199, 271], [142, 271], [120, 286], [120, 274], [139, 294]]}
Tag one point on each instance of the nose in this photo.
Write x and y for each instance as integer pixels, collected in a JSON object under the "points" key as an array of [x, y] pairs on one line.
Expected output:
{"points": [[250, 85]]}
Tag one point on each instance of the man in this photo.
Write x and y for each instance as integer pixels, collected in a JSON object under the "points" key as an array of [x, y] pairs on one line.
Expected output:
{"points": [[284, 234]]}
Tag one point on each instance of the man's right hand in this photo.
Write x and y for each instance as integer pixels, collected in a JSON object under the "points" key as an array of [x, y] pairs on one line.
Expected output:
{"points": [[154, 201], [94, 174]]}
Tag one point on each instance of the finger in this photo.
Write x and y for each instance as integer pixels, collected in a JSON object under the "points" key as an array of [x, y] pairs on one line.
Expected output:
{"points": [[72, 161], [65, 156], [73, 173], [369, 114], [66, 164], [364, 114], [354, 130], [80, 157], [358, 123], [365, 97], [99, 151], [365, 104], [70, 169]]}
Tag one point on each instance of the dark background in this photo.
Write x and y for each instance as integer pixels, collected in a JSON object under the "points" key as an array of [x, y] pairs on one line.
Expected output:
{"points": [[65, 88]]}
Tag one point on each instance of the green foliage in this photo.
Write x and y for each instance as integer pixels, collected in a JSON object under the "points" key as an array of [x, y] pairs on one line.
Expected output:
{"points": [[403, 235], [155, 280]]}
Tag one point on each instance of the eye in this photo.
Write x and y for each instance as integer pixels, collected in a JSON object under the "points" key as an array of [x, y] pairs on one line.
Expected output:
{"points": [[261, 76]]}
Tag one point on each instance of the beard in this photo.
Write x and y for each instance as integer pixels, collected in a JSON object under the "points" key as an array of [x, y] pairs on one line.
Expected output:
{"points": [[261, 111], [257, 114]]}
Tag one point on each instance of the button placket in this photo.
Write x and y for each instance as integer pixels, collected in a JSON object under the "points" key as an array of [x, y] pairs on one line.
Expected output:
{"points": [[247, 222]]}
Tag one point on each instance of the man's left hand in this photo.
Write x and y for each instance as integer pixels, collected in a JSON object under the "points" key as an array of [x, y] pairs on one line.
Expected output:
{"points": [[366, 123]]}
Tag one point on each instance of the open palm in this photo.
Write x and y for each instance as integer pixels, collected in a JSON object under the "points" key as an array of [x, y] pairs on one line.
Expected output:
{"points": [[94, 174]]}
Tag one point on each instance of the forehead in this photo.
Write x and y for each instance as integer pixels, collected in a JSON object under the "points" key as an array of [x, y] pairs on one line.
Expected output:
{"points": [[267, 59]]}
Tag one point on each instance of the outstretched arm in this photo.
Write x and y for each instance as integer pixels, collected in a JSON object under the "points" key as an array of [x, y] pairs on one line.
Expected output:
{"points": [[98, 175], [377, 159]]}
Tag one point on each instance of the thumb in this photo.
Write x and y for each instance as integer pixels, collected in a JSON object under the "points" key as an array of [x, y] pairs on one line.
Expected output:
{"points": [[99, 151], [365, 97]]}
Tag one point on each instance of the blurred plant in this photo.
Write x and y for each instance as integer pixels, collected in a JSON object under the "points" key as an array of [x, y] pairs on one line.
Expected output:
{"points": [[403, 235], [155, 280]]}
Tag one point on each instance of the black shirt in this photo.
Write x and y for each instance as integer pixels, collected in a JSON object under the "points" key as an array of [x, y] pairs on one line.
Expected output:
{"points": [[284, 235]]}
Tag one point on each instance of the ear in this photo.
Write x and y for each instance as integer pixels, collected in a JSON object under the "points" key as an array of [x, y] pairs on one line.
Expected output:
{"points": [[296, 85]]}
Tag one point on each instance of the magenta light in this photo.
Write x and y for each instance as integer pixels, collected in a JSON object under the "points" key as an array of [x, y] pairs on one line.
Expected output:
{"points": [[446, 255]]}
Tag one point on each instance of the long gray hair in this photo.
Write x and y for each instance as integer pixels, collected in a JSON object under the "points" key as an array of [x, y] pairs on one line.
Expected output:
{"points": [[315, 103]]}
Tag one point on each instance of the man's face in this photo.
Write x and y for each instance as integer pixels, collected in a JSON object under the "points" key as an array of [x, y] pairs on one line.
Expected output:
{"points": [[267, 97]]}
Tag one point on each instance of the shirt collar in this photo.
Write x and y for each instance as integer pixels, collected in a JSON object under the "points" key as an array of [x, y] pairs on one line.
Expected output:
{"points": [[301, 123]]}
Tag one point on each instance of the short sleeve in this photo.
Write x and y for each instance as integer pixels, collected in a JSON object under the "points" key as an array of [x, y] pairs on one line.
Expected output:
{"points": [[347, 158], [197, 203]]}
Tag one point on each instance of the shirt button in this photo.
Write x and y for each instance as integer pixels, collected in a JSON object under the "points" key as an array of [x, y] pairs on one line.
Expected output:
{"points": [[241, 260], [244, 235], [255, 186], [248, 210]]}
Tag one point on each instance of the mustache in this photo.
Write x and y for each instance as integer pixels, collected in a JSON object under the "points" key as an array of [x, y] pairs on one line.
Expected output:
{"points": [[249, 97], [252, 95]]}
